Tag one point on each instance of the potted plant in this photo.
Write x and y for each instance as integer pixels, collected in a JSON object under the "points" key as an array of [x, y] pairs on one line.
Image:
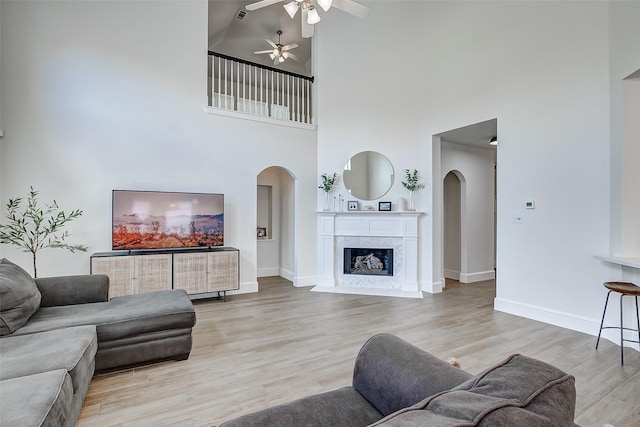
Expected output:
{"points": [[328, 181], [35, 228], [411, 183]]}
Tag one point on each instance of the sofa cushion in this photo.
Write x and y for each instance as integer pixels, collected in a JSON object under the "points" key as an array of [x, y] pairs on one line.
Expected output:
{"points": [[72, 349], [37, 400], [341, 407], [19, 297], [518, 391], [122, 317]]}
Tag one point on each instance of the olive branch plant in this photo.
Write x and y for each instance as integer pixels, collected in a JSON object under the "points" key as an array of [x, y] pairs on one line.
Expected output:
{"points": [[412, 179], [328, 181], [34, 228]]}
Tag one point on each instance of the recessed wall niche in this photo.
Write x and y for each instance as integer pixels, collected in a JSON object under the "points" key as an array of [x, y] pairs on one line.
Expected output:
{"points": [[265, 211]]}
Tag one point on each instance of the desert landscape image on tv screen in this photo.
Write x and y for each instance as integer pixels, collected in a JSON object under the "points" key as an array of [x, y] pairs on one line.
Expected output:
{"points": [[165, 220]]}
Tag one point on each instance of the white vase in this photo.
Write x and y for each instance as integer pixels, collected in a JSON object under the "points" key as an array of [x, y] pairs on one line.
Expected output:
{"points": [[326, 206], [402, 204], [412, 203]]}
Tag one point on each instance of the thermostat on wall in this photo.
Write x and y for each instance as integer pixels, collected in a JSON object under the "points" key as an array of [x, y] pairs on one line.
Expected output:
{"points": [[530, 204]]}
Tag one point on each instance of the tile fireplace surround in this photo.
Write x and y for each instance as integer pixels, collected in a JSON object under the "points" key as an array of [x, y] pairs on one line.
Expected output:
{"points": [[368, 229]]}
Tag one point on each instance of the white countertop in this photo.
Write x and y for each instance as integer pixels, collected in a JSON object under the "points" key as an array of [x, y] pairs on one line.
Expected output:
{"points": [[633, 262]]}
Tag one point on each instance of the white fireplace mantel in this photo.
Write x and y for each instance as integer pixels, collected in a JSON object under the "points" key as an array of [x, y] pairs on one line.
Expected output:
{"points": [[374, 229]]}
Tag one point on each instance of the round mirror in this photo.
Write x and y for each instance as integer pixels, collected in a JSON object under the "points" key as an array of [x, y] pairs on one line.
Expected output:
{"points": [[368, 175]]}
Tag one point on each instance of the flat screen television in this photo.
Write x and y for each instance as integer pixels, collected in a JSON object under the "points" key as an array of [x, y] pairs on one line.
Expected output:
{"points": [[166, 220]]}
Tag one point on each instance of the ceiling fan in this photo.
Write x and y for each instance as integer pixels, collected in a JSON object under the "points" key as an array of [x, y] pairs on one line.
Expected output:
{"points": [[309, 12], [279, 52]]}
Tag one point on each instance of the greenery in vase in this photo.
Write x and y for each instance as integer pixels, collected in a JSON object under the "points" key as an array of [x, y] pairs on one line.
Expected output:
{"points": [[412, 179], [328, 181], [35, 228]]}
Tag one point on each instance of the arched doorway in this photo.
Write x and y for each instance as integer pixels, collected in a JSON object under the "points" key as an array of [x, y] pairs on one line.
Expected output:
{"points": [[452, 209], [275, 223]]}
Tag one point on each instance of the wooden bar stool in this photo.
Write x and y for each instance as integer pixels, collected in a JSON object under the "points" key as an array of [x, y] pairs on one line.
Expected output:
{"points": [[624, 289]]}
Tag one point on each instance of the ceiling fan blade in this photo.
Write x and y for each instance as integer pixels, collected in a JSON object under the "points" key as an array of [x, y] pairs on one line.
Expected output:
{"points": [[272, 44], [307, 29], [352, 7], [261, 4], [263, 51], [290, 46], [292, 56]]}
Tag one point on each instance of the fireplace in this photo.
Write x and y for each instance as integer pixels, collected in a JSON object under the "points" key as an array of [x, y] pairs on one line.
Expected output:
{"points": [[392, 237], [368, 261]]}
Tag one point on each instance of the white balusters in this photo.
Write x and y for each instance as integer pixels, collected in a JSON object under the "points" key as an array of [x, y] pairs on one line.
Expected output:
{"points": [[249, 88]]}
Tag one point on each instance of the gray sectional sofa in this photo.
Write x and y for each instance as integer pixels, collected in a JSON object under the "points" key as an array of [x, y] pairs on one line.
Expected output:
{"points": [[397, 384], [55, 333]]}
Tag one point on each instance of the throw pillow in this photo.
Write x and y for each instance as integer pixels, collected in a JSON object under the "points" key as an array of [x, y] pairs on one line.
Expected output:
{"points": [[19, 297], [520, 391]]}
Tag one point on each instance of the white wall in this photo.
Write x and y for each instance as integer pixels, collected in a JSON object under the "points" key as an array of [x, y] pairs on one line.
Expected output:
{"points": [[106, 95], [1, 121], [548, 87], [476, 165], [289, 242], [630, 170], [111, 95], [624, 59]]}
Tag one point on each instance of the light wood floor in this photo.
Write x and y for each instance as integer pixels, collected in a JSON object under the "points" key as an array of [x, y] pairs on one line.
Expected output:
{"points": [[261, 349]]}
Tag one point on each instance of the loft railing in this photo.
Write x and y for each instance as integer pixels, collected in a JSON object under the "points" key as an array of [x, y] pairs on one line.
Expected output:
{"points": [[247, 87]]}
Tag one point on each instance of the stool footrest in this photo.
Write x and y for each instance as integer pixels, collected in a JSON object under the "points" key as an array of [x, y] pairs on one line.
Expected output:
{"points": [[624, 289]]}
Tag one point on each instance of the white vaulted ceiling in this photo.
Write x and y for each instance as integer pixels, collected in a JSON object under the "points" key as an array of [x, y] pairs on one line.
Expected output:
{"points": [[240, 38]]}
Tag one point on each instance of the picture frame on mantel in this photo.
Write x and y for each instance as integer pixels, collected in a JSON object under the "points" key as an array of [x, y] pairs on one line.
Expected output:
{"points": [[352, 205], [384, 206]]}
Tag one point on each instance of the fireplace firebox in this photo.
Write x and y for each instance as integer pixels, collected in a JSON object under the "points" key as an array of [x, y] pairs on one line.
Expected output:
{"points": [[368, 261]]}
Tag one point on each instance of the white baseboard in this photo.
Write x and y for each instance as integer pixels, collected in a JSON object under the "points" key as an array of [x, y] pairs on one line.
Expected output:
{"points": [[452, 274], [287, 274], [301, 282], [245, 288], [559, 318], [469, 277], [432, 287], [268, 272], [477, 277]]}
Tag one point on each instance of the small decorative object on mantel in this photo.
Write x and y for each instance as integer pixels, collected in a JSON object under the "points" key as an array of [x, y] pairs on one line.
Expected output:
{"points": [[353, 205], [384, 206], [328, 181], [36, 228], [402, 204], [412, 185]]}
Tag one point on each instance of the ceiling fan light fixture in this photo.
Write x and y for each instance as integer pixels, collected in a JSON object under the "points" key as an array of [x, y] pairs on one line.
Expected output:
{"points": [[292, 8], [324, 4], [313, 17]]}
